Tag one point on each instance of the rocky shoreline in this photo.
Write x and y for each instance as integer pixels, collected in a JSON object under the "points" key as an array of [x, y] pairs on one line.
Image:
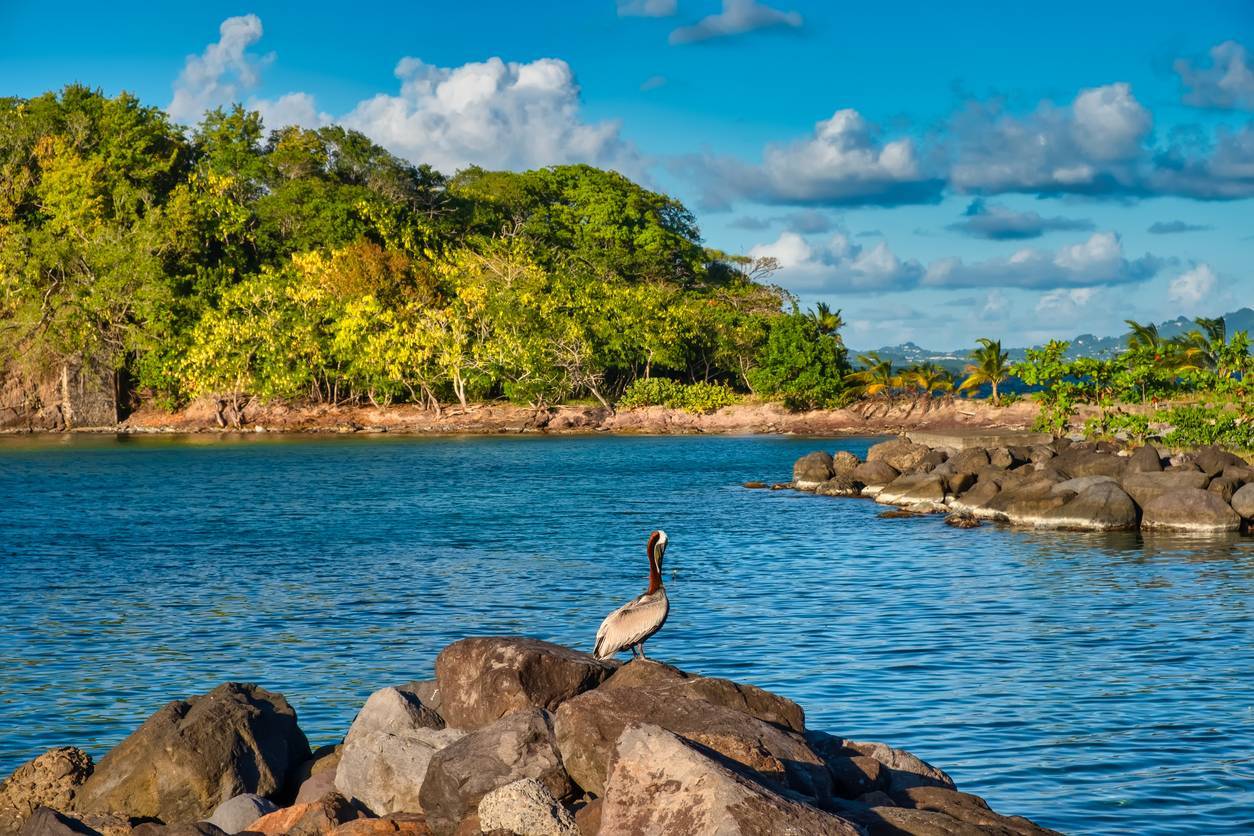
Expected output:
{"points": [[513, 736], [490, 418], [1061, 484]]}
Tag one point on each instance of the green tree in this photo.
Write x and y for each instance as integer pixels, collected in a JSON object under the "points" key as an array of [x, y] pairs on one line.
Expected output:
{"points": [[989, 365], [800, 364]]}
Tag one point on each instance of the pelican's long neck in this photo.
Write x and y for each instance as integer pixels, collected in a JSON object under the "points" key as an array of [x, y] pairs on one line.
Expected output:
{"points": [[655, 575]]}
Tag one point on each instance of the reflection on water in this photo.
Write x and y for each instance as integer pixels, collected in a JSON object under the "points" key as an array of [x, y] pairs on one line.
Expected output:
{"points": [[1099, 683]]}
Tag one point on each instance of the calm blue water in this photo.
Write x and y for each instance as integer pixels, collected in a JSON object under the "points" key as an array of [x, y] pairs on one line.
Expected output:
{"points": [[1098, 684]]}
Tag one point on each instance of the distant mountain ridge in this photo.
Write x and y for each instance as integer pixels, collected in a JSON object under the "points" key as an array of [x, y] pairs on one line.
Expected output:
{"points": [[1085, 345]]}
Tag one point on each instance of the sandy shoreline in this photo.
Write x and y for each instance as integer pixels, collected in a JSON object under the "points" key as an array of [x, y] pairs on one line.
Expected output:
{"points": [[503, 418]]}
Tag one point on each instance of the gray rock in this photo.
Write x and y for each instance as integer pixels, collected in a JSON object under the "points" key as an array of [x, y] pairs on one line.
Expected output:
{"points": [[660, 783], [426, 690], [1040, 454], [1224, 487], [1191, 510], [1102, 506], [393, 711], [1082, 483], [1213, 460], [384, 771], [1243, 501], [1242, 473], [905, 770], [316, 786], [194, 754], [1144, 487], [970, 461], [520, 745], [976, 500], [811, 470], [44, 821], [1080, 462], [525, 807], [235, 814], [932, 460], [957, 483]]}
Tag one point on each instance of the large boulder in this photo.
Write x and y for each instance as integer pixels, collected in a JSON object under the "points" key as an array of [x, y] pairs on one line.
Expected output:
{"points": [[236, 814], [1026, 502], [588, 726], [1243, 501], [971, 460], [1192, 510], [911, 488], [965, 808], [1101, 507], [1144, 460], [194, 754], [899, 453], [1079, 462], [1213, 460], [660, 783], [1080, 484], [45, 821], [527, 808], [384, 771], [844, 462], [811, 470], [483, 679], [520, 745], [1224, 487], [975, 501], [904, 769], [875, 473], [747, 699], [50, 780], [1144, 487]]}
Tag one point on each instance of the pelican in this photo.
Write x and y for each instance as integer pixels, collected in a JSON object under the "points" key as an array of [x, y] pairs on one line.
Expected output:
{"points": [[632, 624]]}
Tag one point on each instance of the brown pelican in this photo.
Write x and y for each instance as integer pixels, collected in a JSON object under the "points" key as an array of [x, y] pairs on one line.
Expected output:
{"points": [[636, 621]]}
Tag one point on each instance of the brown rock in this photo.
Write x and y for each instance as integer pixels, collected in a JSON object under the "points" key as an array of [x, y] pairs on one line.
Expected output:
{"points": [[50, 780], [1144, 460], [588, 818], [844, 462], [1078, 462], [588, 726], [44, 821], [910, 488], [519, 745], [965, 808], [1213, 460], [1224, 487], [747, 699], [316, 787], [978, 497], [899, 453], [812, 469], [483, 679], [904, 769], [970, 461], [660, 783], [1243, 501], [959, 483], [961, 519], [313, 819], [200, 828], [875, 473], [840, 486], [1101, 507], [194, 754], [403, 824]]}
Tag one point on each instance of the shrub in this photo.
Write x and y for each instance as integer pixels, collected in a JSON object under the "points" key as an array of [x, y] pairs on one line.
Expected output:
{"points": [[692, 397], [1197, 426]]}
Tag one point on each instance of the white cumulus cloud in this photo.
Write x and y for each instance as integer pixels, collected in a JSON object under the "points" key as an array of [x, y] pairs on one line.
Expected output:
{"points": [[1192, 289], [737, 17], [1099, 260], [837, 264], [222, 73]]}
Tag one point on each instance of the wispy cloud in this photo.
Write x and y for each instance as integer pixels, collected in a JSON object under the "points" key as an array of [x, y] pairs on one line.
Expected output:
{"points": [[1174, 227], [223, 73], [653, 82], [1000, 223], [737, 18], [1227, 83], [647, 8]]}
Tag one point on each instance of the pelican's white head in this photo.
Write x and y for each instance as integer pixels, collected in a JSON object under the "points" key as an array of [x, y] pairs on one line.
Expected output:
{"points": [[657, 547]]}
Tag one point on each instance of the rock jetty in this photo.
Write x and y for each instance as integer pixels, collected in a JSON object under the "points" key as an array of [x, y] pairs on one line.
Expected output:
{"points": [[513, 736], [1093, 486]]}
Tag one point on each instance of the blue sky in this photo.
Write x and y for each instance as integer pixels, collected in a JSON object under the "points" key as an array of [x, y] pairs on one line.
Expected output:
{"points": [[940, 171]]}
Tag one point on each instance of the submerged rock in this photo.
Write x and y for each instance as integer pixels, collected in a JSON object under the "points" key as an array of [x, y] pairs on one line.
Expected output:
{"points": [[194, 754]]}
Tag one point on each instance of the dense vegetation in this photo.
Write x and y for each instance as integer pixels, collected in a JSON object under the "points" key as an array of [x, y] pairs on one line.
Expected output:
{"points": [[313, 265]]}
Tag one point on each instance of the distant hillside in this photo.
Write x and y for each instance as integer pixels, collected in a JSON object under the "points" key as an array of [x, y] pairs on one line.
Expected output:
{"points": [[1085, 345]]}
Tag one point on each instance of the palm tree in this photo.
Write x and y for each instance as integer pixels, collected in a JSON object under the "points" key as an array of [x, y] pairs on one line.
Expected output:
{"points": [[829, 322], [875, 377], [1145, 336], [989, 365], [929, 378], [1198, 351]]}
